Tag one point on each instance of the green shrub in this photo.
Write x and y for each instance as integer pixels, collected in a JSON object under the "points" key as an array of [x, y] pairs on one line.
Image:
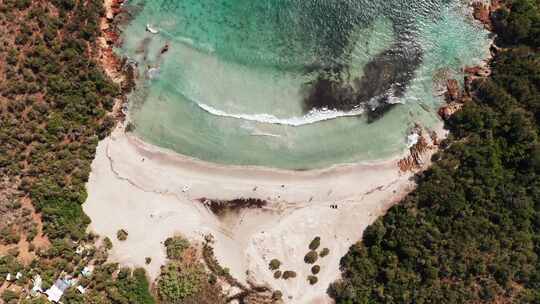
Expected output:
{"points": [[288, 274], [135, 287], [311, 257], [315, 243], [324, 252], [178, 282], [10, 297], [277, 295], [312, 279], [107, 243], [274, 264], [175, 247], [121, 235]]}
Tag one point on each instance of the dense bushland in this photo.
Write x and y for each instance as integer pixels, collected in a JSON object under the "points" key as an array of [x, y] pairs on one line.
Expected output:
{"points": [[470, 233], [54, 100], [53, 103]]}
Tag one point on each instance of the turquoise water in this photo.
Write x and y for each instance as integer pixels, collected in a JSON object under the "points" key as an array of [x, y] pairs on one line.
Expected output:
{"points": [[234, 85]]}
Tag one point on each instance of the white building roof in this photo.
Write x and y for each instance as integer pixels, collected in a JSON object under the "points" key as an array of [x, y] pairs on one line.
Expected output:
{"points": [[57, 290]]}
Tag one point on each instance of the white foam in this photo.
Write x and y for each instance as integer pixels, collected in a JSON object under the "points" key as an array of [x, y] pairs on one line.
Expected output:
{"points": [[150, 29], [153, 73], [259, 133], [412, 139], [312, 117]]}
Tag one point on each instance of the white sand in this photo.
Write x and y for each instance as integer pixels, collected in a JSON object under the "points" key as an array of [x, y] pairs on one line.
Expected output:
{"points": [[138, 187]]}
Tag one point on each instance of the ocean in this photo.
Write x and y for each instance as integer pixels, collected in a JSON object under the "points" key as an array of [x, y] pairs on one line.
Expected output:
{"points": [[294, 84]]}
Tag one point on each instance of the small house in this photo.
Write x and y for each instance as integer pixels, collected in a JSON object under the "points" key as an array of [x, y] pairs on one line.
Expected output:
{"points": [[57, 290]]}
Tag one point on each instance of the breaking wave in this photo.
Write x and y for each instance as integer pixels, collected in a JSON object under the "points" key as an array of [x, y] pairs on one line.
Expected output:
{"points": [[313, 116]]}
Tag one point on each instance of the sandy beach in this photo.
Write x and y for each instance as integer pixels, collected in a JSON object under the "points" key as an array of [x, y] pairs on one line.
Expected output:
{"points": [[153, 194]]}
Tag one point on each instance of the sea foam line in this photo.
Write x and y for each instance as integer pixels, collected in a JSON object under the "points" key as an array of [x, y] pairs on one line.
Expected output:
{"points": [[312, 117]]}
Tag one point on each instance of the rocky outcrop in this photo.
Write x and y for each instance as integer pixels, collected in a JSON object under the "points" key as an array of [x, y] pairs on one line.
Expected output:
{"points": [[109, 38], [446, 111], [453, 91], [483, 9], [482, 12], [419, 152], [477, 71], [454, 96], [113, 8], [115, 67]]}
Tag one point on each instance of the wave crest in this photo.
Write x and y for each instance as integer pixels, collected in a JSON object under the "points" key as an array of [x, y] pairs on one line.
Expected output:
{"points": [[314, 116]]}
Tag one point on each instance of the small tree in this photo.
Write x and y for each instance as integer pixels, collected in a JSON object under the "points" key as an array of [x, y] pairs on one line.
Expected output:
{"points": [[315, 243], [121, 235], [9, 296], [107, 243], [277, 295], [177, 282], [288, 274], [324, 252], [274, 264], [148, 260], [175, 247], [277, 274], [311, 257], [315, 269], [312, 279]]}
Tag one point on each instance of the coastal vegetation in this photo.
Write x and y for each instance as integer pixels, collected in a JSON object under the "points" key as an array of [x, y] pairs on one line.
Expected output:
{"points": [[311, 257], [121, 235], [274, 264], [312, 279], [175, 247], [184, 278], [315, 243], [55, 104], [324, 252], [288, 274], [470, 231]]}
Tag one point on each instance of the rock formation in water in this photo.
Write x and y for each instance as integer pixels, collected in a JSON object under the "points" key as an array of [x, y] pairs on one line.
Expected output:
{"points": [[418, 155]]}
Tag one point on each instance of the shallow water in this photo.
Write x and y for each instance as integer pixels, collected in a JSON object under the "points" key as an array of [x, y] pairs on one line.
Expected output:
{"points": [[235, 84]]}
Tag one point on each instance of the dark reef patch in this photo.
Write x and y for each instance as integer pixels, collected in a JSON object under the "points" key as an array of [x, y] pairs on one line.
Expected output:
{"points": [[385, 77]]}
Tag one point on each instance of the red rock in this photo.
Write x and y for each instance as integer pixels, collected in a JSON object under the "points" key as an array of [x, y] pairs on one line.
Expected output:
{"points": [[477, 71], [453, 92], [447, 111], [482, 12]]}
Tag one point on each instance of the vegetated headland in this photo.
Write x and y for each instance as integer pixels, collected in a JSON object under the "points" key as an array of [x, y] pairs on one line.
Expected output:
{"points": [[469, 232]]}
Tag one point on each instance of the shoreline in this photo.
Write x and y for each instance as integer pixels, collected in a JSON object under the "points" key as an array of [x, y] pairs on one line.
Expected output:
{"points": [[199, 164], [152, 192], [154, 195]]}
